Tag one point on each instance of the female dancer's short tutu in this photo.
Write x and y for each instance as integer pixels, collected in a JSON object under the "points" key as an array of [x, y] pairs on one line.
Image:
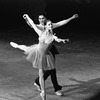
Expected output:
{"points": [[39, 59]]}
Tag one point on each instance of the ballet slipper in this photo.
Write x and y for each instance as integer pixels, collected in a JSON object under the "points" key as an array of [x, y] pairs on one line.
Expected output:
{"points": [[43, 96], [14, 44]]}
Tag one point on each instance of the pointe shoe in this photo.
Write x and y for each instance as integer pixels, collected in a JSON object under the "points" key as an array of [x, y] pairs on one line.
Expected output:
{"points": [[14, 44], [42, 94]]}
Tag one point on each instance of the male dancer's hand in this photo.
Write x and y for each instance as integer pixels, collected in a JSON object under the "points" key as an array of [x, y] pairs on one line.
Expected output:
{"points": [[75, 16]]}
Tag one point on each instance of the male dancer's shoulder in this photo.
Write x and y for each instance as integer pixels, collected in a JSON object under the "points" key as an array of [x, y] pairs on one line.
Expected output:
{"points": [[40, 27]]}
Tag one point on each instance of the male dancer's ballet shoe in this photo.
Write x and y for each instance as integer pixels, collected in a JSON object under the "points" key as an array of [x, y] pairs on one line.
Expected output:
{"points": [[38, 87], [14, 44], [42, 94], [58, 93]]}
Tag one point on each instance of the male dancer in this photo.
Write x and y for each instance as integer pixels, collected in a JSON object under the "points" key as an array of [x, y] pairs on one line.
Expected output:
{"points": [[53, 51]]}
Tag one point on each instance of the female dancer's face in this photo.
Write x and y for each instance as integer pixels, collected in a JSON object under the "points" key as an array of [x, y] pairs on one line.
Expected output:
{"points": [[49, 25]]}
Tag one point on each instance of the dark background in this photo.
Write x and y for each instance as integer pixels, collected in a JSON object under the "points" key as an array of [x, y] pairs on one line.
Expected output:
{"points": [[87, 25]]}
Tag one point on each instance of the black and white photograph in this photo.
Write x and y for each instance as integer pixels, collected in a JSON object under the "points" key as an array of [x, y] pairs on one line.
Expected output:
{"points": [[49, 50]]}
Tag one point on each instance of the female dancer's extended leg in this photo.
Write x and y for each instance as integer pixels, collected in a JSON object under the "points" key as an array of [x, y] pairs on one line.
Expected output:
{"points": [[21, 47]]}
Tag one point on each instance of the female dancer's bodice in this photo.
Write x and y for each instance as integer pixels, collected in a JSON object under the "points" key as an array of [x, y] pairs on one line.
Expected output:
{"points": [[45, 40]]}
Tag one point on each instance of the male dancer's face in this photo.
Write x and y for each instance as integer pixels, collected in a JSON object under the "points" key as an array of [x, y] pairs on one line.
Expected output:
{"points": [[41, 19]]}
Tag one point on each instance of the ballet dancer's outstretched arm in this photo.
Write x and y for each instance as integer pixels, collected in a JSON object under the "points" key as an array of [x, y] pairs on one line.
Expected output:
{"points": [[63, 22], [31, 23], [60, 40]]}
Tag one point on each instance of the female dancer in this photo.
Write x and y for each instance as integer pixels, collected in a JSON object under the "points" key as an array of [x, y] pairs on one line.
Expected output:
{"points": [[52, 73], [37, 54]]}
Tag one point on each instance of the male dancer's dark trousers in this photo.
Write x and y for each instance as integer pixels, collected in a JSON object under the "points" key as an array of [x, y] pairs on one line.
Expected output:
{"points": [[51, 73]]}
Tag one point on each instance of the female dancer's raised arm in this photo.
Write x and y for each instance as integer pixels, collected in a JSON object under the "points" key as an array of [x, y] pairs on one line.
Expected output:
{"points": [[63, 22], [31, 23]]}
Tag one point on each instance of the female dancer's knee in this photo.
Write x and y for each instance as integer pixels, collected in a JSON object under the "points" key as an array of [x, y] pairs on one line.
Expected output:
{"points": [[40, 72]]}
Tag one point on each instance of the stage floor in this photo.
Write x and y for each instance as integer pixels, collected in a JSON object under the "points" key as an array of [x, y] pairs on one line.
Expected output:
{"points": [[78, 71]]}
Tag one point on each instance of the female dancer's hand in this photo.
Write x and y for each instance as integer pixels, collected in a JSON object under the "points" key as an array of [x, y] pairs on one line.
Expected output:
{"points": [[67, 40], [25, 16], [64, 40]]}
